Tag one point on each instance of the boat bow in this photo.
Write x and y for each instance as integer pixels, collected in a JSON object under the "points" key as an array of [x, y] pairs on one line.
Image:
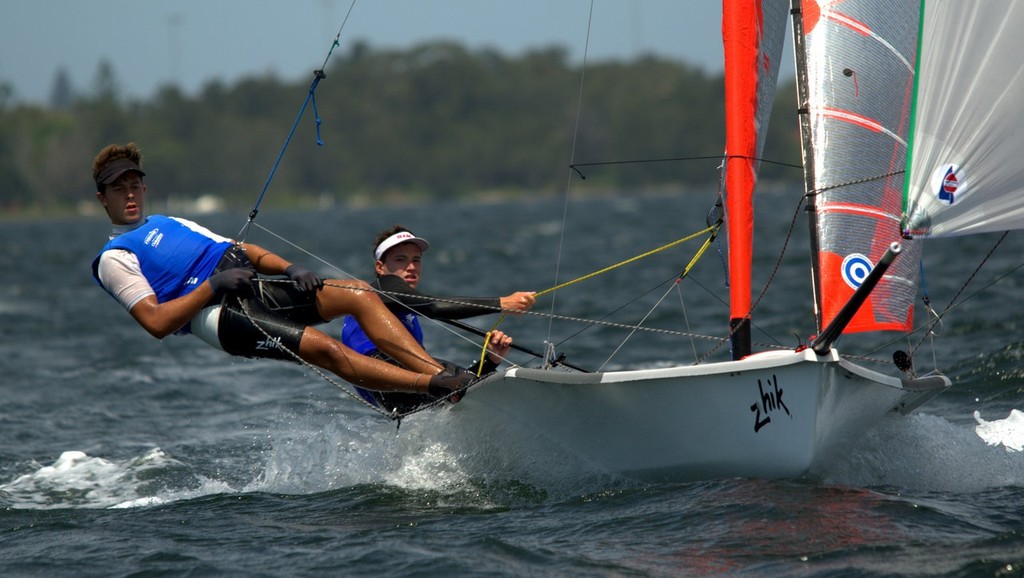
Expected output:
{"points": [[773, 414]]}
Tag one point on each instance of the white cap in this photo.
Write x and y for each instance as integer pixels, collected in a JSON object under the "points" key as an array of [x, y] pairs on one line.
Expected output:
{"points": [[397, 239]]}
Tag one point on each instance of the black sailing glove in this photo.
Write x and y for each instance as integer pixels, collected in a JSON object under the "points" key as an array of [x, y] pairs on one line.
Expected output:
{"points": [[450, 386], [231, 280], [451, 382], [304, 278]]}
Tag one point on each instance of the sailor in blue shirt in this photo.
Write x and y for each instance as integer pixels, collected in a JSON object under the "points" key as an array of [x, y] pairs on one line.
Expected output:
{"points": [[176, 277], [398, 266]]}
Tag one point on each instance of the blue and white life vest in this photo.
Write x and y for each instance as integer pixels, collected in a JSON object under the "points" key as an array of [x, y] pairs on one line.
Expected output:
{"points": [[174, 258]]}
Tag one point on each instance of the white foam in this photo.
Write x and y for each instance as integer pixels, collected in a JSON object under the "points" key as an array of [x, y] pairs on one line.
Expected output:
{"points": [[926, 452], [429, 451], [349, 451], [77, 480], [1008, 432]]}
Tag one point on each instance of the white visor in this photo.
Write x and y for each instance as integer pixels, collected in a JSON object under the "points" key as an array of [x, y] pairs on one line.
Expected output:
{"points": [[397, 239]]}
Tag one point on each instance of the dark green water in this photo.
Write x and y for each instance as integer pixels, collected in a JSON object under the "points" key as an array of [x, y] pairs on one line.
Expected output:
{"points": [[194, 463]]}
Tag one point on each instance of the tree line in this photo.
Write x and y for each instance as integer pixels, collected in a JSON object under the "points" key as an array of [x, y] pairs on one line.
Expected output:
{"points": [[433, 121]]}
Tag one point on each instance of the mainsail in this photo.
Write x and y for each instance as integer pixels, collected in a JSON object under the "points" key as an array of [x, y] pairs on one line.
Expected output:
{"points": [[964, 171], [753, 35], [859, 57]]}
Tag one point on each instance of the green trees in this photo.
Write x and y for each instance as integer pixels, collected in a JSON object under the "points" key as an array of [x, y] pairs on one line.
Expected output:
{"points": [[434, 121]]}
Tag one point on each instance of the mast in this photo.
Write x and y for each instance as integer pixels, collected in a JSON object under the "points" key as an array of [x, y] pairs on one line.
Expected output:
{"points": [[806, 149]]}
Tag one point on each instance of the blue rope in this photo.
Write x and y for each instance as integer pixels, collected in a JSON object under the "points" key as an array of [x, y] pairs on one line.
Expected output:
{"points": [[316, 115], [318, 75]]}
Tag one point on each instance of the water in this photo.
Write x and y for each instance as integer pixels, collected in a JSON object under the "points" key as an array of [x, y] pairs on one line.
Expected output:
{"points": [[124, 455]]}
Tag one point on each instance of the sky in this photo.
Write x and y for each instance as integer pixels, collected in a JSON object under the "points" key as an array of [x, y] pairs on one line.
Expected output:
{"points": [[189, 43]]}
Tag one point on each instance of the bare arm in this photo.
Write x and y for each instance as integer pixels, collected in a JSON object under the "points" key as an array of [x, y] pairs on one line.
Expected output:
{"points": [[265, 262], [163, 319]]}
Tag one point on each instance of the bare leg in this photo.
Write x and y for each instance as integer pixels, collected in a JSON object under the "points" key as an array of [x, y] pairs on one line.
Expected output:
{"points": [[323, 351], [356, 298]]}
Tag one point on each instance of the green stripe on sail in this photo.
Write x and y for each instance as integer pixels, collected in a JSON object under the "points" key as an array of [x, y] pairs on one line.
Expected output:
{"points": [[913, 118]]}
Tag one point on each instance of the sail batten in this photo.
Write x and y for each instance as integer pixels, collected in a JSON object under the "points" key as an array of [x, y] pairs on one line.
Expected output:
{"points": [[852, 208], [863, 122]]}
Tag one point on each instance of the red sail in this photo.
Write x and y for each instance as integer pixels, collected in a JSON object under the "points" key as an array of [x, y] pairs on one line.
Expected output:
{"points": [[860, 57], [752, 36]]}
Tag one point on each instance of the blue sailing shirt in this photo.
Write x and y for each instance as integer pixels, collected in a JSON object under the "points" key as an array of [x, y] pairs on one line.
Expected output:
{"points": [[352, 333], [174, 258], [409, 303]]}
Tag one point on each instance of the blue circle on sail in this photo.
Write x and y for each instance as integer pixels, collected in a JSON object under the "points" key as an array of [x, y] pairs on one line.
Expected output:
{"points": [[856, 268]]}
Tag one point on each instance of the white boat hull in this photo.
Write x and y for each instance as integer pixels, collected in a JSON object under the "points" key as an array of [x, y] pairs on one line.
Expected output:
{"points": [[768, 416]]}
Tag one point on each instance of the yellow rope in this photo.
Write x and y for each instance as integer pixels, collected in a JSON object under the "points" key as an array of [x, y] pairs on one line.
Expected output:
{"points": [[483, 352], [713, 230], [698, 254]]}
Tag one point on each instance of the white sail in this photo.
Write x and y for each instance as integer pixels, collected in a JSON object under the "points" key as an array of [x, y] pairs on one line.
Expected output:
{"points": [[964, 168]]}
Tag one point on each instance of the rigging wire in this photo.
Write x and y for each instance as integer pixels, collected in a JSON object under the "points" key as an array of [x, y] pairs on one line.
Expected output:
{"points": [[318, 75], [576, 166], [936, 318], [953, 302], [678, 280], [572, 157], [393, 297], [767, 284], [711, 230]]}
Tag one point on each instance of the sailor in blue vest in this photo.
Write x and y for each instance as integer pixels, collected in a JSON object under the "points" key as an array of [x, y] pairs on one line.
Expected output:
{"points": [[176, 277], [398, 265]]}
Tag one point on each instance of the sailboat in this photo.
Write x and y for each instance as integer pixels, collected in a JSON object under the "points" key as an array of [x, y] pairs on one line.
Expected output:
{"points": [[905, 112]]}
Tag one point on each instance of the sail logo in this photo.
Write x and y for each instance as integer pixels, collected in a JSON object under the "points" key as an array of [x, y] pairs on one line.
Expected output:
{"points": [[946, 184], [856, 268], [947, 192]]}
